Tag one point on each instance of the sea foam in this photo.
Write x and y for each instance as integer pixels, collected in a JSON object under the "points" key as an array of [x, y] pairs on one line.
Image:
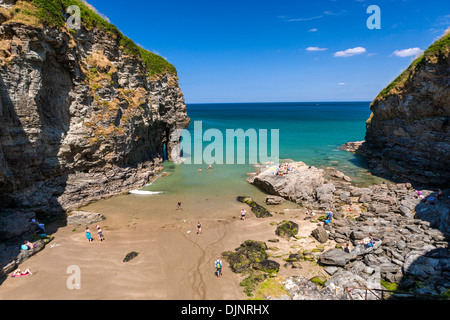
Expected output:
{"points": [[143, 192]]}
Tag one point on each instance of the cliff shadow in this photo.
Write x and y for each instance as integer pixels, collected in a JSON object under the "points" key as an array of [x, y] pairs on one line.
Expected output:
{"points": [[35, 117], [426, 272]]}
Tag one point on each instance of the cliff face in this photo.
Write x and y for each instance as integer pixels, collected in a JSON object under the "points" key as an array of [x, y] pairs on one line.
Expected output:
{"points": [[85, 114], [408, 133]]}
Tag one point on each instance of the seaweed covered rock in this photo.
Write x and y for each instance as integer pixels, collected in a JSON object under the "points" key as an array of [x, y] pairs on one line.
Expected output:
{"points": [[269, 266], [247, 256], [259, 210], [130, 256], [287, 229]]}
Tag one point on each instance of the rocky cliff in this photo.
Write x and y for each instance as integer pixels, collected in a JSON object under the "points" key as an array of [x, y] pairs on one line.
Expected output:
{"points": [[85, 114], [408, 133]]}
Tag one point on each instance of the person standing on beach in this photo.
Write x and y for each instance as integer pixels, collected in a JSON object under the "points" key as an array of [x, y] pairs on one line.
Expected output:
{"points": [[199, 228], [100, 234], [179, 206], [218, 265], [243, 212], [88, 235]]}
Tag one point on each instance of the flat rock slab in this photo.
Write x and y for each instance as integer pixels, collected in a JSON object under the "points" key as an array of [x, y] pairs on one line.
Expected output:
{"points": [[82, 218], [335, 257]]}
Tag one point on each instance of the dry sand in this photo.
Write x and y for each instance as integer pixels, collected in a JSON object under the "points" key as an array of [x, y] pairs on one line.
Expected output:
{"points": [[174, 263]]}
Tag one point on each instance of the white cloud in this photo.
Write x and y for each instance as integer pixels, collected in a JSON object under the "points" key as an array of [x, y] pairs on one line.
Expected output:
{"points": [[341, 83], [408, 52], [350, 52], [313, 30], [315, 49], [306, 19], [331, 13]]}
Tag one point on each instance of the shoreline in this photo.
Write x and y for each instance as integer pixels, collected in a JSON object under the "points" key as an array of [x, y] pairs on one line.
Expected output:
{"points": [[174, 263]]}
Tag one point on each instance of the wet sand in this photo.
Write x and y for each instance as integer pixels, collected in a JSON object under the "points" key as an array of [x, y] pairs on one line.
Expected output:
{"points": [[174, 263]]}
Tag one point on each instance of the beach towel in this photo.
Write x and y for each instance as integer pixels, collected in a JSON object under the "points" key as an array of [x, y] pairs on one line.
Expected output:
{"points": [[20, 275]]}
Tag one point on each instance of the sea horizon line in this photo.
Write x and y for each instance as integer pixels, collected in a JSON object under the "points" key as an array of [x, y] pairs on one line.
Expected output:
{"points": [[281, 102]]}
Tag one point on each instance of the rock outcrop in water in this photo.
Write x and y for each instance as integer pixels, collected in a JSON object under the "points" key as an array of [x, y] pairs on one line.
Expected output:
{"points": [[85, 114], [297, 185], [408, 133]]}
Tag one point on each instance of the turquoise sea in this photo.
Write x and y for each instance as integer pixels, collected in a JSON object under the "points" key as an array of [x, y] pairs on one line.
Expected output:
{"points": [[308, 132]]}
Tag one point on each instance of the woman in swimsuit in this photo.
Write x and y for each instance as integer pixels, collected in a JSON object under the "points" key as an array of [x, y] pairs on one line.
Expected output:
{"points": [[199, 228], [20, 273]]}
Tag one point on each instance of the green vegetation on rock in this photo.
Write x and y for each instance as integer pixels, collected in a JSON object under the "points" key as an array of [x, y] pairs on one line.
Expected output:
{"points": [[270, 287], [435, 49], [287, 229], [155, 64], [252, 282], [319, 280], [259, 210], [53, 14], [389, 285]]}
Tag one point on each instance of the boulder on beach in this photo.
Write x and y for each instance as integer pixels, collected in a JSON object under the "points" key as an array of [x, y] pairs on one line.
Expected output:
{"points": [[274, 200], [287, 229], [257, 209], [82, 218], [269, 266], [320, 234], [130, 256], [335, 257], [247, 256]]}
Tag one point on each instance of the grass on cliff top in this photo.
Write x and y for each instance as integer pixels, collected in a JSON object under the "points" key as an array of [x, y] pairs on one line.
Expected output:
{"points": [[53, 13], [156, 64], [435, 49]]}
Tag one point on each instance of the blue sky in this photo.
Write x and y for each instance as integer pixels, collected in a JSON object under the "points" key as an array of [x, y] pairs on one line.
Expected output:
{"points": [[279, 50]]}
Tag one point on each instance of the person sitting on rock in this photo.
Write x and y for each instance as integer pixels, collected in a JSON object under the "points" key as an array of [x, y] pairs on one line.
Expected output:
{"points": [[27, 245], [368, 242], [329, 218], [347, 248]]}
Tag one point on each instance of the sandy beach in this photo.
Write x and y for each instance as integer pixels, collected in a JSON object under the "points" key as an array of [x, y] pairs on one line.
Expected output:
{"points": [[174, 263]]}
